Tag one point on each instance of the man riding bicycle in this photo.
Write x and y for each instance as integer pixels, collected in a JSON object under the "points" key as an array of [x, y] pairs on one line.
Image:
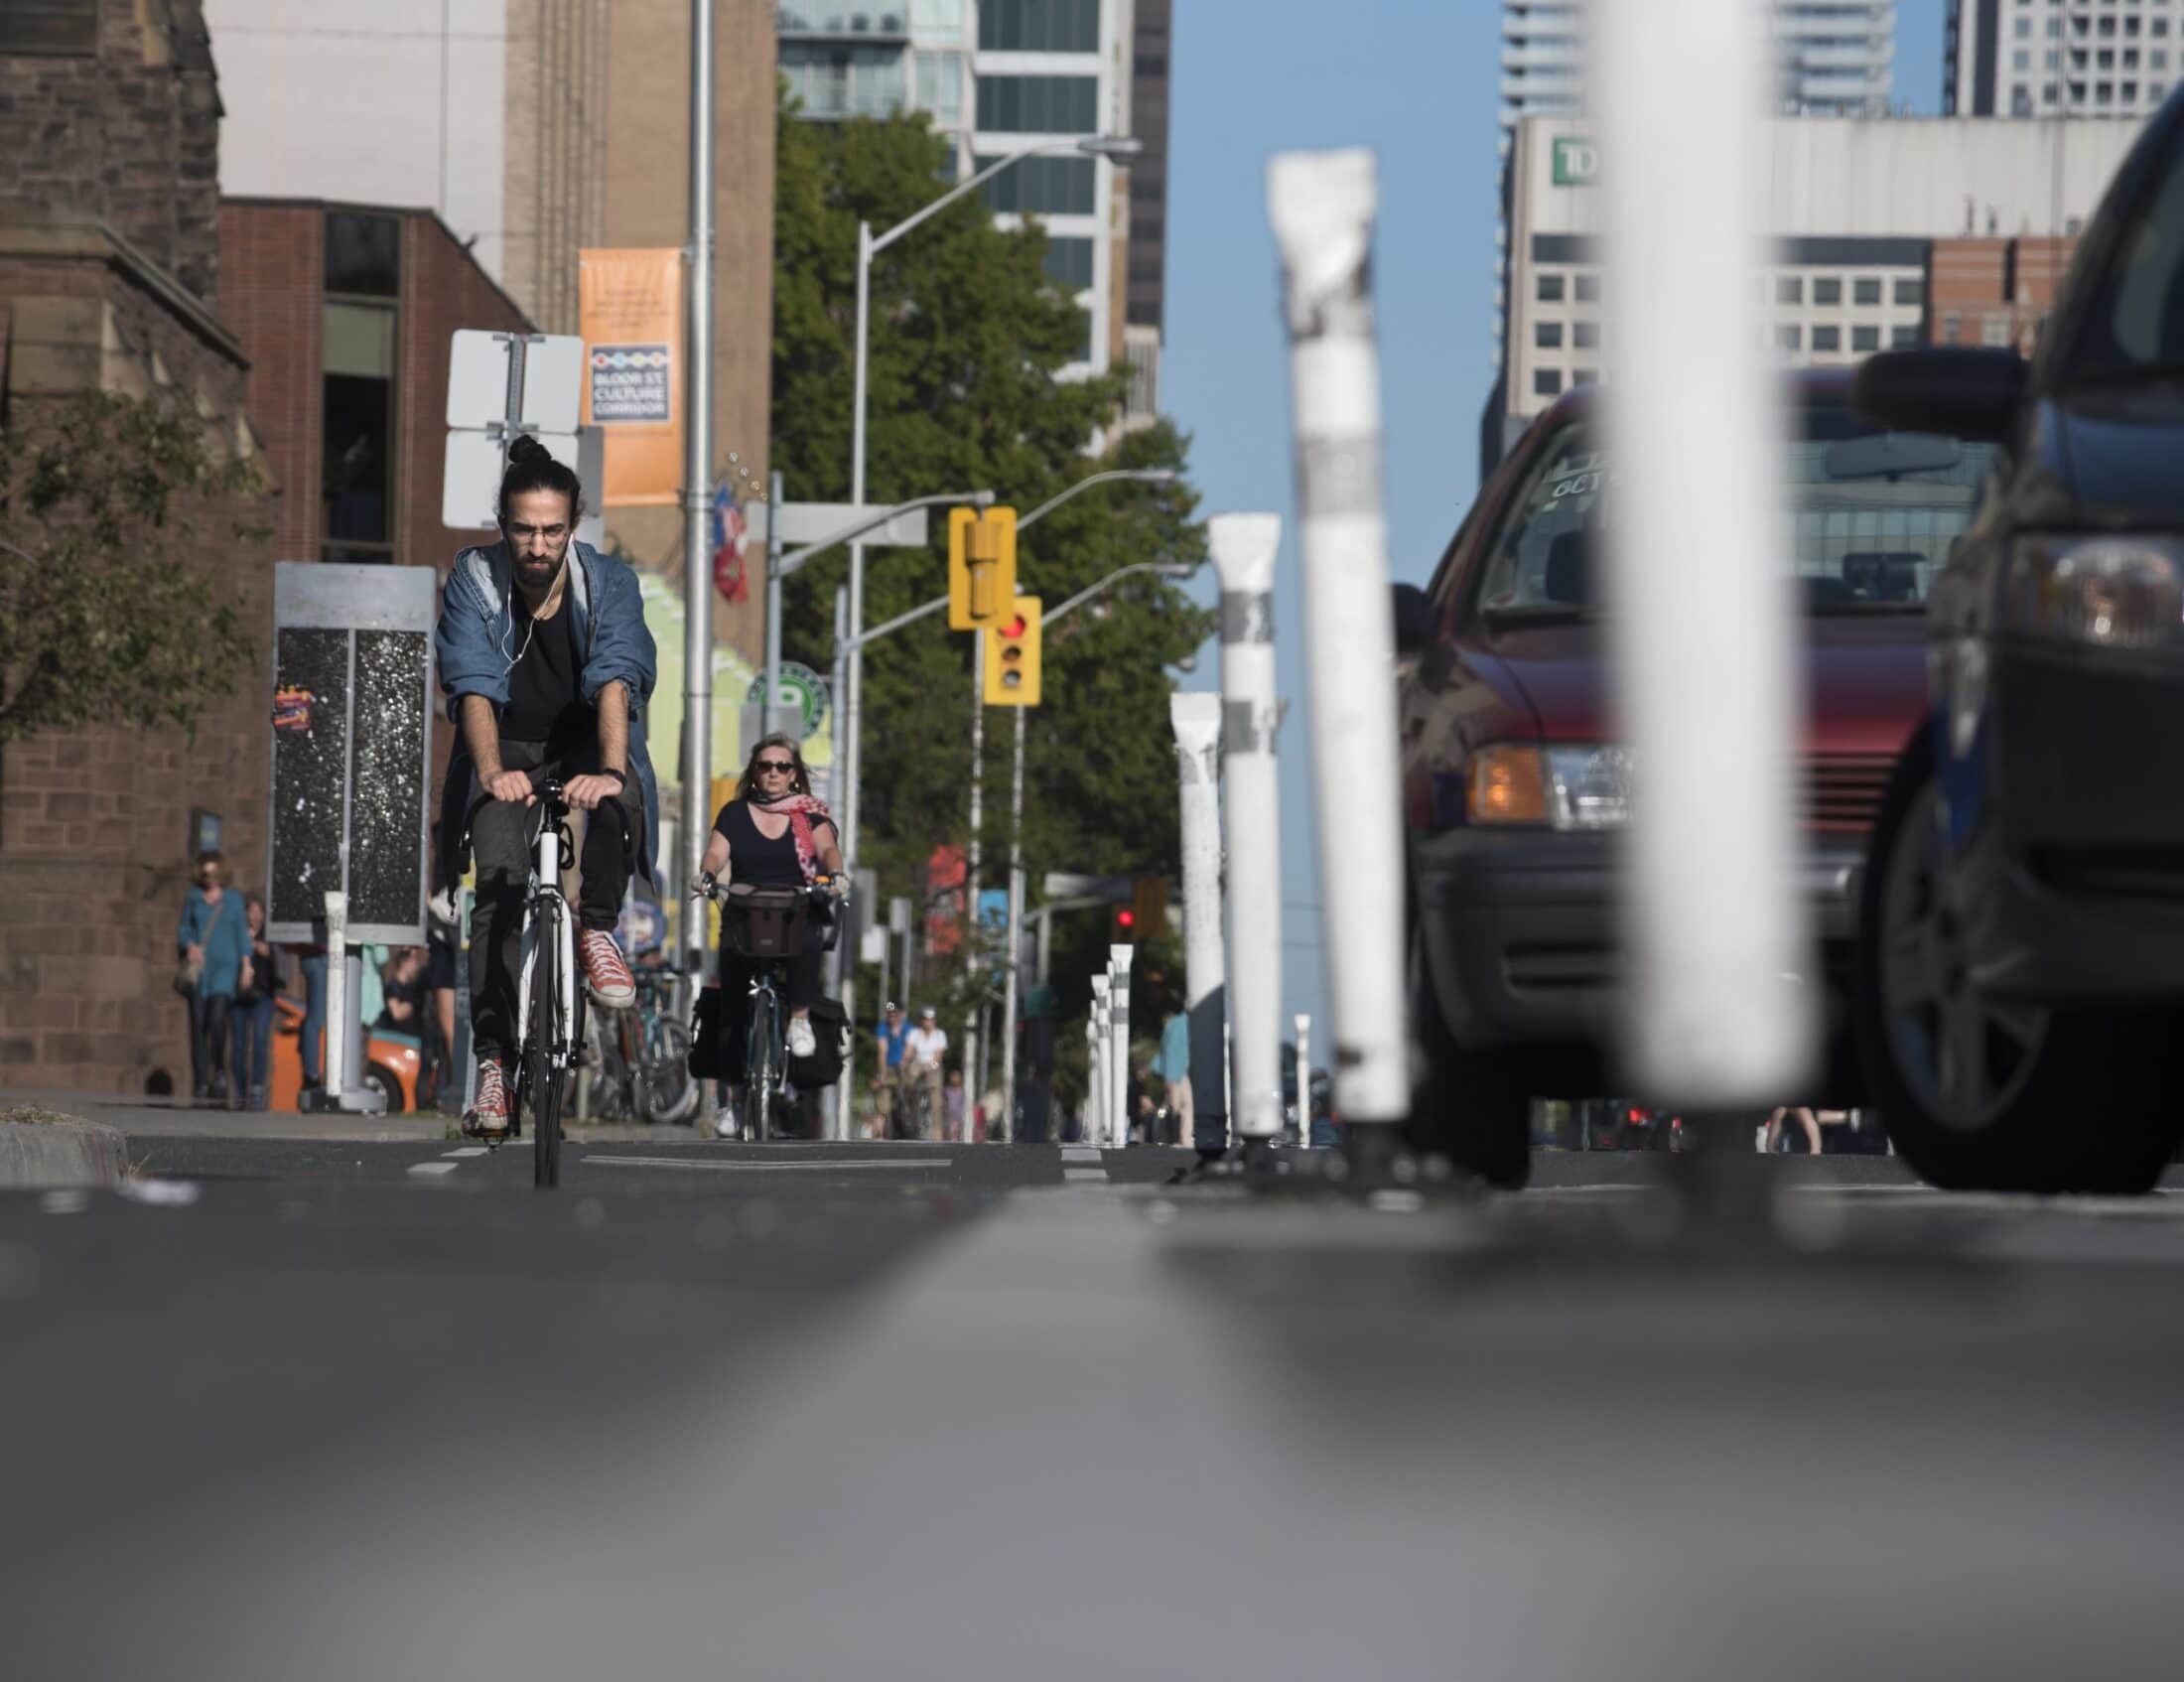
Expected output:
{"points": [[547, 664]]}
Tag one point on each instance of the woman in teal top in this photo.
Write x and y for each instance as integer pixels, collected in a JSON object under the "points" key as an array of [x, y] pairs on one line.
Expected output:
{"points": [[213, 934]]}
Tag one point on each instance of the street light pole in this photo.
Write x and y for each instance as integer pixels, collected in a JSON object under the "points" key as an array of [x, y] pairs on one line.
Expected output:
{"points": [[697, 472], [849, 752]]}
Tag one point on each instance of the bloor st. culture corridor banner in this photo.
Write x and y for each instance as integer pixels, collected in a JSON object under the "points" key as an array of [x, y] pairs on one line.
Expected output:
{"points": [[631, 304]]}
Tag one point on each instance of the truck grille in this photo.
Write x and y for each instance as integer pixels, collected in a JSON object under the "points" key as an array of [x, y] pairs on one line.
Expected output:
{"points": [[1844, 791]]}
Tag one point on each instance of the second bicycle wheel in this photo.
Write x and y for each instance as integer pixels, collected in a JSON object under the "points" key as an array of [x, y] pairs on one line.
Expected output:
{"points": [[541, 1081], [667, 1094]]}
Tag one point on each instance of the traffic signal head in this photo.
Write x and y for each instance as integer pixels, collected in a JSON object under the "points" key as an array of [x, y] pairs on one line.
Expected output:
{"points": [[1126, 922], [1149, 906], [1013, 656], [982, 565]]}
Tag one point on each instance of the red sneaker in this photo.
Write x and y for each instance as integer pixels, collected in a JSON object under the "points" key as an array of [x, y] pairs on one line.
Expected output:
{"points": [[604, 972], [488, 1117]]}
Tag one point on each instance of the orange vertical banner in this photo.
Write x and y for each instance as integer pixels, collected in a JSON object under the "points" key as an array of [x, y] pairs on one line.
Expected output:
{"points": [[633, 325]]}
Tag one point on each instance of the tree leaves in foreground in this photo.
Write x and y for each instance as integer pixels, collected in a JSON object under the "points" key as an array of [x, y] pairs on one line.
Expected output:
{"points": [[106, 616], [968, 337]]}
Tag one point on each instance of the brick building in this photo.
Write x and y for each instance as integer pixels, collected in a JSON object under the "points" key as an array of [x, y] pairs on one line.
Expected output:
{"points": [[347, 313], [1995, 292], [109, 127]]}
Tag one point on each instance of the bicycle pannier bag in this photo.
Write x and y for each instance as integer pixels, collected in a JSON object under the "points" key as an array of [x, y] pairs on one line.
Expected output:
{"points": [[705, 1035], [829, 1026]]}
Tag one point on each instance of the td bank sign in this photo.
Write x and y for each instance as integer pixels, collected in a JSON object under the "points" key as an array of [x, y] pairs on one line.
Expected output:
{"points": [[1577, 162]]}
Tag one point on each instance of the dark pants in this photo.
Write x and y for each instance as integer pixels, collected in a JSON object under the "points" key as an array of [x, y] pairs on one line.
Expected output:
{"points": [[501, 841], [208, 1015], [253, 1031], [736, 974]]}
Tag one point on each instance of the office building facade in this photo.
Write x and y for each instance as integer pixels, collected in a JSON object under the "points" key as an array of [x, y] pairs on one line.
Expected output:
{"points": [[1876, 227], [2050, 57]]}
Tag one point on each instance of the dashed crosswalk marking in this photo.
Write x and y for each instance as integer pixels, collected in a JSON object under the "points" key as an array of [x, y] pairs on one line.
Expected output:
{"points": [[1079, 1154], [466, 1151], [1084, 1173], [434, 1169]]}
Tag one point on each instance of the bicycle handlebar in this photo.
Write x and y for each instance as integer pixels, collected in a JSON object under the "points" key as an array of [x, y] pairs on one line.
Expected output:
{"points": [[550, 791]]}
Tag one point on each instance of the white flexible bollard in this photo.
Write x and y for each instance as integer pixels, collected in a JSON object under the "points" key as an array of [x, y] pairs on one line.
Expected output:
{"points": [[1197, 723], [1324, 205], [1118, 1027], [1243, 547], [1706, 667], [1097, 1065], [1304, 1080]]}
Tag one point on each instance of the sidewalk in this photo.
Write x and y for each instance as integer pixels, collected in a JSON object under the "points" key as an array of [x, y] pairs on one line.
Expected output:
{"points": [[163, 1119]]}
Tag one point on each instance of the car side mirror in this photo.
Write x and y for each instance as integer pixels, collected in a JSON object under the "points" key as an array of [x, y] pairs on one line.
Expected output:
{"points": [[1414, 619], [1965, 392]]}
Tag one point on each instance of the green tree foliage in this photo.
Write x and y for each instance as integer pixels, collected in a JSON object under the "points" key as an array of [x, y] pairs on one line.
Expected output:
{"points": [[967, 338], [104, 619]]}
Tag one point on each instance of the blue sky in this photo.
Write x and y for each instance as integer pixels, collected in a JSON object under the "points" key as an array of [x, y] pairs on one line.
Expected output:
{"points": [[1415, 81]]}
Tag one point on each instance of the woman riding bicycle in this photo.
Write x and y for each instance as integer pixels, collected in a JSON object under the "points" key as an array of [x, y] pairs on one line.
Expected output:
{"points": [[773, 833]]}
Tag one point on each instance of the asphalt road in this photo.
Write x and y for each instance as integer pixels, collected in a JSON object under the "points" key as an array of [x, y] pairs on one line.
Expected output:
{"points": [[378, 1409]]}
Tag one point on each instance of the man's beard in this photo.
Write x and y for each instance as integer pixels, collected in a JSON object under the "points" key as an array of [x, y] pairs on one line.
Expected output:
{"points": [[539, 575]]}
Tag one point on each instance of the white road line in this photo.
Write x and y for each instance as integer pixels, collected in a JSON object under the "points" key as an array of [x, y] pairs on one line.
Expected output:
{"points": [[434, 1167], [466, 1151], [1084, 1173], [1079, 1154], [808, 1166]]}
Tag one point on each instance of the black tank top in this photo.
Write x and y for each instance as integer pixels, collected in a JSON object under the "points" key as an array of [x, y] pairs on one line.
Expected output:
{"points": [[751, 856]]}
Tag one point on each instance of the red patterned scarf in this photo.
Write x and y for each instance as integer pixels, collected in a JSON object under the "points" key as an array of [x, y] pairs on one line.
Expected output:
{"points": [[802, 810]]}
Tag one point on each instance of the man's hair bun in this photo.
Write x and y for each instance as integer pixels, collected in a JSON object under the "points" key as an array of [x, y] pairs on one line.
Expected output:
{"points": [[531, 467]]}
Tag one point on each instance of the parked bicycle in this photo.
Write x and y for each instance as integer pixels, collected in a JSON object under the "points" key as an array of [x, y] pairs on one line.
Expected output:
{"points": [[640, 1059], [769, 926], [549, 1002]]}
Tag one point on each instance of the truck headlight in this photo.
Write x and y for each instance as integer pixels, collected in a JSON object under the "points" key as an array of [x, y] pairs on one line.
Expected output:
{"points": [[2105, 592], [1556, 787]]}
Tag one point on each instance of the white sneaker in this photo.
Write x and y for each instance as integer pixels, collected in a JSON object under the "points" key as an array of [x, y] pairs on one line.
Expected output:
{"points": [[802, 1041], [725, 1123]]}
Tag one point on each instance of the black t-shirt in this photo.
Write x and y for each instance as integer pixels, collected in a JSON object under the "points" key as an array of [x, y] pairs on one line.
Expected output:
{"points": [[761, 860], [544, 702]]}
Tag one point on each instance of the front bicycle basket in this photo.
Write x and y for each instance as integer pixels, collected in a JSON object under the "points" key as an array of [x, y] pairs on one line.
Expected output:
{"points": [[764, 922]]}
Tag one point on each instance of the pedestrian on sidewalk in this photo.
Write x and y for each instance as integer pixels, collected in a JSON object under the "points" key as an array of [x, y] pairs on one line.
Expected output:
{"points": [[954, 1108], [212, 943], [1171, 1066], [252, 1014]]}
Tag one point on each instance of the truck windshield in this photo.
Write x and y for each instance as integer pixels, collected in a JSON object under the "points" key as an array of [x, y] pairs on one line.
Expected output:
{"points": [[1871, 519]]}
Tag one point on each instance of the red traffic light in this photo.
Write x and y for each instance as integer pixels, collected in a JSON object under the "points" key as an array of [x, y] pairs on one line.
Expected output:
{"points": [[1126, 918], [1015, 629]]}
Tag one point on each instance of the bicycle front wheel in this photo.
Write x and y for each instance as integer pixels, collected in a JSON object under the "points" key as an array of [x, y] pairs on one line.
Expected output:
{"points": [[541, 1080], [760, 1065]]}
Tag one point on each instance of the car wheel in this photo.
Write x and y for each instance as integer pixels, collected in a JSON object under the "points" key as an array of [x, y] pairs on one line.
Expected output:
{"points": [[1472, 1107], [381, 1080], [1983, 1094]]}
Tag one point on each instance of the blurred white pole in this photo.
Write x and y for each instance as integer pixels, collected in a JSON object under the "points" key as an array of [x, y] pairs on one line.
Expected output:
{"points": [[697, 786], [1705, 663], [1118, 1029], [335, 1071], [1304, 1080], [1244, 548], [1096, 1065], [1197, 723], [1322, 205]]}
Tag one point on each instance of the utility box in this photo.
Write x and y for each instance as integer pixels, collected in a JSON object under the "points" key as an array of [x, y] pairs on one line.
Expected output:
{"points": [[352, 750]]}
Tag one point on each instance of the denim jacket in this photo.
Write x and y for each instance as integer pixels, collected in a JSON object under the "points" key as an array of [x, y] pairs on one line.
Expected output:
{"points": [[474, 648]]}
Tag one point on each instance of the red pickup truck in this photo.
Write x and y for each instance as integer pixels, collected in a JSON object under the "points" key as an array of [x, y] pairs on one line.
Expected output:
{"points": [[1515, 790]]}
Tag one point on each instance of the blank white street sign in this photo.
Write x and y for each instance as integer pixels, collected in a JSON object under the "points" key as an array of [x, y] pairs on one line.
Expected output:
{"points": [[471, 487], [478, 382]]}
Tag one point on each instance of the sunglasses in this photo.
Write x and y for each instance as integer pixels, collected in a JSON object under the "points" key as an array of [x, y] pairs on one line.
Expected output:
{"points": [[785, 767]]}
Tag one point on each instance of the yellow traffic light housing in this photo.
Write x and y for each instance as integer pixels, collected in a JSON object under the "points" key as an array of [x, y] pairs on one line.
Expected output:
{"points": [[1013, 656], [1148, 906], [982, 565]]}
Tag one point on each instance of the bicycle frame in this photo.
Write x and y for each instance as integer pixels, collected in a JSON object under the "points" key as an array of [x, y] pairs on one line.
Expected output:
{"points": [[548, 858]]}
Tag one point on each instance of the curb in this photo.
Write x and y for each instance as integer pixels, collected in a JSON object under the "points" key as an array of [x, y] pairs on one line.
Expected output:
{"points": [[38, 1154]]}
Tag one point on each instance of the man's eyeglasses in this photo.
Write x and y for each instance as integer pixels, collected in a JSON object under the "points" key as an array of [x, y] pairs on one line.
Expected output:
{"points": [[524, 533], [785, 767]]}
